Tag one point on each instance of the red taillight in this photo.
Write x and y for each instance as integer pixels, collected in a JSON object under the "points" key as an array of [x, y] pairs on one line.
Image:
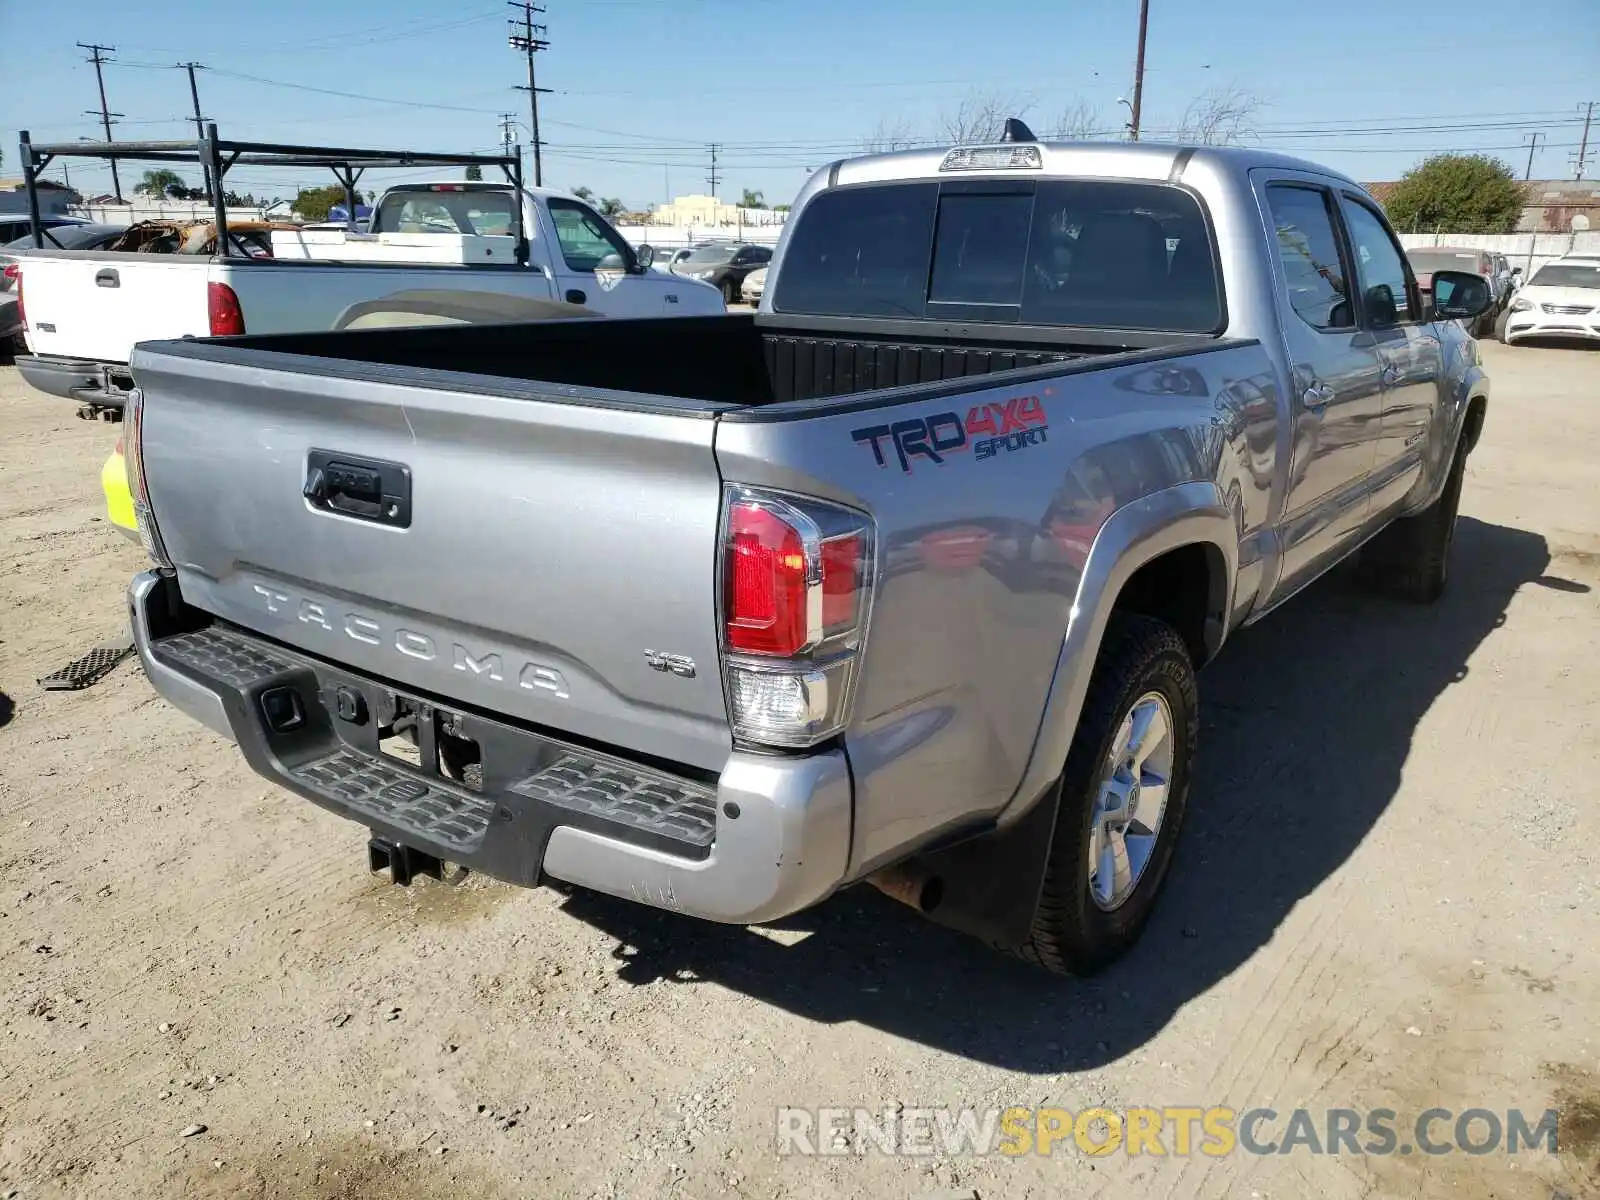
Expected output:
{"points": [[448, 187], [796, 575], [12, 272], [841, 581], [766, 583], [222, 307]]}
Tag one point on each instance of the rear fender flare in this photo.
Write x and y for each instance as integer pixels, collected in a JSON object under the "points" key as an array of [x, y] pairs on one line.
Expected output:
{"points": [[1137, 533]]}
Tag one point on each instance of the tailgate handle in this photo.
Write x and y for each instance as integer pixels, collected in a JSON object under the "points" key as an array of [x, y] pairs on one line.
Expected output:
{"points": [[367, 489], [107, 277]]}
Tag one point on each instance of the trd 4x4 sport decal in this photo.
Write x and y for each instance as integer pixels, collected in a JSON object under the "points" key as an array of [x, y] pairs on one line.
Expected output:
{"points": [[988, 430]]}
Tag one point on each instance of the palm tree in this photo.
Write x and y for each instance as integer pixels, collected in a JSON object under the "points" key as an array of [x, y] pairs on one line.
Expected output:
{"points": [[160, 182]]}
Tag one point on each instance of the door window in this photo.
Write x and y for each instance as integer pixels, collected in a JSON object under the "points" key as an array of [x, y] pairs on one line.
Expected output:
{"points": [[1380, 268], [587, 242], [1308, 248]]}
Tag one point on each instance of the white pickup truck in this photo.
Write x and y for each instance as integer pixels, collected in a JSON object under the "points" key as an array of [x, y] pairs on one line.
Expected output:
{"points": [[84, 311]]}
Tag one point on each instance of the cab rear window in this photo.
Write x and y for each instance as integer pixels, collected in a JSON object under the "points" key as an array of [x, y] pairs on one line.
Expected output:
{"points": [[1087, 253]]}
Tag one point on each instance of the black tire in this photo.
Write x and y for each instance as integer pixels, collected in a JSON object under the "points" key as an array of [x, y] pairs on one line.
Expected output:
{"points": [[1500, 323], [730, 292], [1411, 558], [1072, 935]]}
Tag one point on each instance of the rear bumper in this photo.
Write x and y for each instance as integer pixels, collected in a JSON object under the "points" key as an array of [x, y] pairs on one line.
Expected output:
{"points": [[768, 837], [101, 384]]}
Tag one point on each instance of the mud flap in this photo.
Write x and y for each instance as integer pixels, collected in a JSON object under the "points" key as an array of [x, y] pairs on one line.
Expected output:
{"points": [[990, 884]]}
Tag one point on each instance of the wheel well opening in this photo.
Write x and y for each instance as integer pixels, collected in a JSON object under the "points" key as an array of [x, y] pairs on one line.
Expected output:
{"points": [[1474, 423], [1184, 588]]}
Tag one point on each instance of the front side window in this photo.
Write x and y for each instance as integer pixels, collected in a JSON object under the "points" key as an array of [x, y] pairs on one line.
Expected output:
{"points": [[1380, 267], [1308, 249], [587, 242]]}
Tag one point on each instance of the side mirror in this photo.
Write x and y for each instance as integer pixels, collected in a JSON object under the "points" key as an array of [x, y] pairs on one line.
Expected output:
{"points": [[646, 255], [1460, 296], [1515, 271]]}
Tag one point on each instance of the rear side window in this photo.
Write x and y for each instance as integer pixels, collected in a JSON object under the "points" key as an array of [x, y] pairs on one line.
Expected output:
{"points": [[436, 210], [1308, 248], [1089, 254]]}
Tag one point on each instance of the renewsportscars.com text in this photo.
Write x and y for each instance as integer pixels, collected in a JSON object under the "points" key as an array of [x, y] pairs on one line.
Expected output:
{"points": [[1180, 1131]]}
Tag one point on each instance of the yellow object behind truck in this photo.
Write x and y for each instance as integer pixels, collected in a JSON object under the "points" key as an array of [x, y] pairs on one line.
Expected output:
{"points": [[119, 496]]}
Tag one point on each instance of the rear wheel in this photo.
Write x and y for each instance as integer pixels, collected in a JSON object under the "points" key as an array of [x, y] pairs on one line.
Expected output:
{"points": [[730, 292], [1411, 558], [1122, 798]]}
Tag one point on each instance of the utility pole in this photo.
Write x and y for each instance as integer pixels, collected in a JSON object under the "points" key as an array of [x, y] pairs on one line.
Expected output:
{"points": [[530, 39], [199, 121], [1533, 140], [1138, 71], [1583, 145], [97, 55], [713, 179], [508, 129]]}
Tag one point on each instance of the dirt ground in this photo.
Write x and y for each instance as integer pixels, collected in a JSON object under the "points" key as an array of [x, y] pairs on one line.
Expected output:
{"points": [[1388, 896]]}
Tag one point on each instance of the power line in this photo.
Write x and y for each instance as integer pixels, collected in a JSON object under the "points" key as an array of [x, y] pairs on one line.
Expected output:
{"points": [[530, 39], [97, 55]]}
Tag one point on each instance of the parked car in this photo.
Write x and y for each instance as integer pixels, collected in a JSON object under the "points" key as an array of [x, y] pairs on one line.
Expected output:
{"points": [[755, 284], [1561, 300], [1491, 266], [724, 266], [904, 579], [13, 226], [74, 236], [666, 257], [86, 312]]}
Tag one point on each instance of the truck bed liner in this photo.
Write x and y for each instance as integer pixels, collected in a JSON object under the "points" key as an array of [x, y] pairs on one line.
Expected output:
{"points": [[732, 360]]}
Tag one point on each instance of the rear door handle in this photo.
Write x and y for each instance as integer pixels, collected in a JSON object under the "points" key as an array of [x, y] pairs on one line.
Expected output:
{"points": [[107, 277], [1391, 375]]}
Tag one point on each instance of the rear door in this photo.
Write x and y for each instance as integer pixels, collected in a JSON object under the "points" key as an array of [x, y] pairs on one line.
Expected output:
{"points": [[95, 305], [550, 552], [1336, 395]]}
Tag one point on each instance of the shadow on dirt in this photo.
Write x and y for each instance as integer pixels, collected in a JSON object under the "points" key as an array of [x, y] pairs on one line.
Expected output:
{"points": [[1307, 722], [7, 710]]}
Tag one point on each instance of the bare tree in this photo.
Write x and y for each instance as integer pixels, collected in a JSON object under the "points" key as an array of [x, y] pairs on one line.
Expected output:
{"points": [[890, 136], [978, 118], [1079, 122], [1222, 116]]}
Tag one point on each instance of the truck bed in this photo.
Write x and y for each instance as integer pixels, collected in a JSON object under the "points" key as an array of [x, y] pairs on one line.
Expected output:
{"points": [[738, 360]]}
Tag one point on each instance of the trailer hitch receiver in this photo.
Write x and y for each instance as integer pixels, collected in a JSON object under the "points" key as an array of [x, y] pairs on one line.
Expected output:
{"points": [[404, 863]]}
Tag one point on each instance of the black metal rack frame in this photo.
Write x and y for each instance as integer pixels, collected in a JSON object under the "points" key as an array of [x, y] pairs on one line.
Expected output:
{"points": [[217, 157]]}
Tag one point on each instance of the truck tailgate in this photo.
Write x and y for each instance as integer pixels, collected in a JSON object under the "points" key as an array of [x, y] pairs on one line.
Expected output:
{"points": [[554, 550], [95, 305]]}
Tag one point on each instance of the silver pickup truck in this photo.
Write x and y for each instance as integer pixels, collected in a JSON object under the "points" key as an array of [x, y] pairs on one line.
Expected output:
{"points": [[904, 579]]}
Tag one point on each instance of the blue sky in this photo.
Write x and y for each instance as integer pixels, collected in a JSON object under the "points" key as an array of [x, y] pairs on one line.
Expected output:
{"points": [[640, 87]]}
